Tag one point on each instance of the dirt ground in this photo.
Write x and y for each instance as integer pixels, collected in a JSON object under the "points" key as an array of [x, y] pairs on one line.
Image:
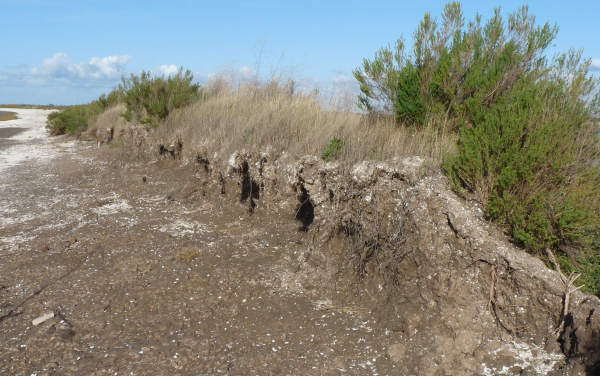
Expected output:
{"points": [[6, 133], [118, 261], [145, 279]]}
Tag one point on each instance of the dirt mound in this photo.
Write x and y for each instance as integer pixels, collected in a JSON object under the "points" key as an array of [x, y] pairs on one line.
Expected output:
{"points": [[457, 295], [460, 296]]}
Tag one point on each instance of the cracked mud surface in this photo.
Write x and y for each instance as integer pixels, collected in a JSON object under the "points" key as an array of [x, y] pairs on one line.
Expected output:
{"points": [[143, 278]]}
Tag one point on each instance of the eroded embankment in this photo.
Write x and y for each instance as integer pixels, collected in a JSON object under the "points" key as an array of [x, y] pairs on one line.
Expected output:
{"points": [[461, 298]]}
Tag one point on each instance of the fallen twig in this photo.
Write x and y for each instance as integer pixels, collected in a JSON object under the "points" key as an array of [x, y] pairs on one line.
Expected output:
{"points": [[9, 254]]}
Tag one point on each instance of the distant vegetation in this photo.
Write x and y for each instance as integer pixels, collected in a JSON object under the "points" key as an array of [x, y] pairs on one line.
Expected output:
{"points": [[33, 106], [513, 129]]}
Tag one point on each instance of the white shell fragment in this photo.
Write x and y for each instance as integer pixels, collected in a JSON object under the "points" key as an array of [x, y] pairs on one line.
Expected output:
{"points": [[41, 319]]}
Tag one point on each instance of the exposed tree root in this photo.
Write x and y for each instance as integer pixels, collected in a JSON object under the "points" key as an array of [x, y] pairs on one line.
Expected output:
{"points": [[494, 304]]}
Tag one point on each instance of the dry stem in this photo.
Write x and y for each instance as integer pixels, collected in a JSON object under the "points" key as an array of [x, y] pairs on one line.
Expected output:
{"points": [[569, 289]]}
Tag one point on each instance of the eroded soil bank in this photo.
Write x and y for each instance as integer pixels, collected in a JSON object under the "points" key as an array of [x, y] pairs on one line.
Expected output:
{"points": [[149, 264], [112, 257]]}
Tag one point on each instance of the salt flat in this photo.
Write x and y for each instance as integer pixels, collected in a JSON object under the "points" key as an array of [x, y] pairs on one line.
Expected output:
{"points": [[32, 144], [33, 119]]}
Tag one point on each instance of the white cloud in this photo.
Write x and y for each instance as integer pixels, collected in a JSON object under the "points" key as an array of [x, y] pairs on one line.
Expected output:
{"points": [[60, 66], [595, 65], [247, 72], [342, 79], [165, 70], [60, 80], [111, 66]]}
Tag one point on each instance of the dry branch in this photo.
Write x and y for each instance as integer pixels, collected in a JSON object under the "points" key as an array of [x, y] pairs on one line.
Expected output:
{"points": [[569, 289]]}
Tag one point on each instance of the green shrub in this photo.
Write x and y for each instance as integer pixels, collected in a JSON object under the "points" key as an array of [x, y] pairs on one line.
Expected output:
{"points": [[378, 79], [151, 99], [454, 72], [332, 150], [77, 119], [528, 157], [409, 104], [527, 148]]}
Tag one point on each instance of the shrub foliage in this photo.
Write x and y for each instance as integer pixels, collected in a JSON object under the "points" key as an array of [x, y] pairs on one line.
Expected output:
{"points": [[332, 150], [150, 99], [528, 146], [76, 119]]}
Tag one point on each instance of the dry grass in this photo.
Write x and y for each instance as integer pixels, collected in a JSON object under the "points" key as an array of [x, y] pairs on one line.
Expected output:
{"points": [[109, 119], [188, 254], [235, 115], [252, 116]]}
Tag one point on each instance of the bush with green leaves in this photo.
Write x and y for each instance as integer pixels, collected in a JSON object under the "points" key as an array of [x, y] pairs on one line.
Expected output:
{"points": [[332, 149], [453, 69], [77, 119], [150, 99], [528, 148]]}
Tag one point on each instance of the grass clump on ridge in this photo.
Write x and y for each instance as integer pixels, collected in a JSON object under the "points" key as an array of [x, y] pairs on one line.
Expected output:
{"points": [[526, 125], [332, 150]]}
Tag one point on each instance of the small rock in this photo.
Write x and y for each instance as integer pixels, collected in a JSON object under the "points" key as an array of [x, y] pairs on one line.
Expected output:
{"points": [[190, 343], [466, 341], [42, 319], [396, 352], [15, 247]]}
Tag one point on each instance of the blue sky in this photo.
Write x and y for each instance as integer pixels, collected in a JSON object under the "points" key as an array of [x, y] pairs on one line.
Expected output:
{"points": [[66, 51]]}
